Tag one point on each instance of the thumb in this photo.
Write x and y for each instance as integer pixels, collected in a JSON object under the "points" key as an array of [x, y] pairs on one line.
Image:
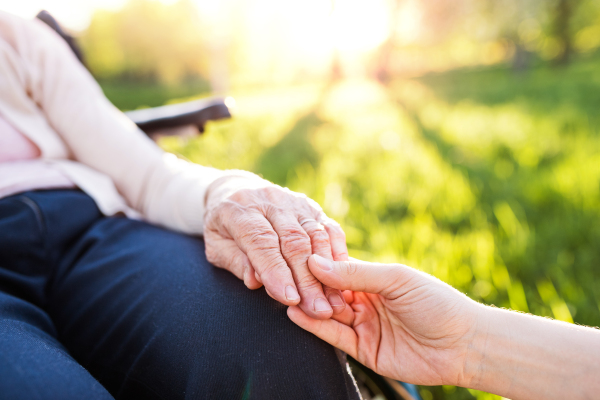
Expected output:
{"points": [[360, 276]]}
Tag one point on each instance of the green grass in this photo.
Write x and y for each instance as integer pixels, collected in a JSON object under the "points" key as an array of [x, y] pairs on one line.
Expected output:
{"points": [[132, 95], [488, 179]]}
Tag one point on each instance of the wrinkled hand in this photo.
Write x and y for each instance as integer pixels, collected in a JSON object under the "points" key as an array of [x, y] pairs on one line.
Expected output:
{"points": [[264, 234], [399, 322]]}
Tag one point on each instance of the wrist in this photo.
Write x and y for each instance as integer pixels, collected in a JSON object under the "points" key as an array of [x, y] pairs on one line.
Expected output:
{"points": [[473, 374], [498, 351], [233, 180]]}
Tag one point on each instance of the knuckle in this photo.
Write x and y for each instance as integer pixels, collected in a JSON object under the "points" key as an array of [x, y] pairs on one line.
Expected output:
{"points": [[223, 208], [272, 209], [271, 191], [320, 238], [224, 213], [308, 282], [260, 238], [241, 195], [349, 267], [294, 243], [269, 264], [341, 254], [338, 232]]}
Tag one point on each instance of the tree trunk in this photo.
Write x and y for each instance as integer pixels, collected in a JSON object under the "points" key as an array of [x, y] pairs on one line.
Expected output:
{"points": [[563, 13]]}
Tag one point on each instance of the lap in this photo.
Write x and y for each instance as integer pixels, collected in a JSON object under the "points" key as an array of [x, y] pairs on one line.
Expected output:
{"points": [[33, 364], [142, 309]]}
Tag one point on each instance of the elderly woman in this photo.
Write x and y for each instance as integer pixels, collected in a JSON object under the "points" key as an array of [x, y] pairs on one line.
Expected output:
{"points": [[106, 285]]}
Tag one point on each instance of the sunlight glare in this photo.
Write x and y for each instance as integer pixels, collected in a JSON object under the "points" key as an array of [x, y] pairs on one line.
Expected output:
{"points": [[359, 25]]}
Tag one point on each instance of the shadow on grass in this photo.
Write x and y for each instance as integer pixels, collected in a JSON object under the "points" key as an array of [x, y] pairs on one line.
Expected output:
{"points": [[291, 151], [563, 235], [542, 89]]}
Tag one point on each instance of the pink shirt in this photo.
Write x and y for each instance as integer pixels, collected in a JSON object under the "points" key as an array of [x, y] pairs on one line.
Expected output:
{"points": [[21, 169]]}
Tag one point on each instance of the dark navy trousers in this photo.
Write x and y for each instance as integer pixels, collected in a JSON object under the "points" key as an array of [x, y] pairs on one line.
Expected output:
{"points": [[95, 307]]}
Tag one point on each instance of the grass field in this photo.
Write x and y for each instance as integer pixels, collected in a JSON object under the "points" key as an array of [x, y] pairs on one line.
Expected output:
{"points": [[488, 179]]}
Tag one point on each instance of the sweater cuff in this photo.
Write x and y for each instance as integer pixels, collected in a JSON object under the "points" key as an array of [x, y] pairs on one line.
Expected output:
{"points": [[193, 204]]}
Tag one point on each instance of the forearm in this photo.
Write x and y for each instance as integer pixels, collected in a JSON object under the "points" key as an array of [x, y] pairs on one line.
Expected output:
{"points": [[165, 190], [521, 356]]}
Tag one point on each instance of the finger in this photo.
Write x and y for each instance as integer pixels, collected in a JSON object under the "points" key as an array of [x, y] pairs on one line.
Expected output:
{"points": [[348, 296], [224, 253], [335, 299], [346, 317], [319, 240], [296, 248], [337, 239], [257, 239], [333, 332], [361, 276]]}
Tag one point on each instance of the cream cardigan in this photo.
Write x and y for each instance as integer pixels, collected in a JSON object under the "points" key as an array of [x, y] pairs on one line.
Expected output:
{"points": [[51, 98]]}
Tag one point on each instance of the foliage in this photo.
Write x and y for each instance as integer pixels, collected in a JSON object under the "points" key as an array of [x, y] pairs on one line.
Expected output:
{"points": [[128, 95], [488, 179], [148, 41], [240, 43]]}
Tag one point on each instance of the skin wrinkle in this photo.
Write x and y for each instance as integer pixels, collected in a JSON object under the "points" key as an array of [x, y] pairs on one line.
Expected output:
{"points": [[470, 349], [351, 267], [338, 335], [260, 238], [337, 230], [407, 332], [294, 244], [377, 344], [272, 211], [435, 335], [385, 318], [397, 297], [262, 219], [334, 234], [308, 281], [319, 237], [269, 266]]}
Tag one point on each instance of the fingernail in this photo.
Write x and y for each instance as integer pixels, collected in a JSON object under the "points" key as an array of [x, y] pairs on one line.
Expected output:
{"points": [[291, 294], [321, 305], [335, 300], [323, 263]]}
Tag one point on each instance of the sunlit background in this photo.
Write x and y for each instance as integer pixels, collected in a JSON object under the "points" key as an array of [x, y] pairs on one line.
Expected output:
{"points": [[461, 137]]}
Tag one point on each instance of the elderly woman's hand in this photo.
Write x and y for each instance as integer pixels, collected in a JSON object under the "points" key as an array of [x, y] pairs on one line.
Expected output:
{"points": [[264, 234]]}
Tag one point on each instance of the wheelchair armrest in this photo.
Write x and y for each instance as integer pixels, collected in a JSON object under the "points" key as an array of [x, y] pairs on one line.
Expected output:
{"points": [[196, 112]]}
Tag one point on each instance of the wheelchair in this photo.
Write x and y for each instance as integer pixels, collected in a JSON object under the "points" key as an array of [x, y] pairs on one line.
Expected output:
{"points": [[176, 118]]}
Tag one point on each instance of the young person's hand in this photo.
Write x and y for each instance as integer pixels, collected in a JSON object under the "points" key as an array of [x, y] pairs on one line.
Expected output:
{"points": [[400, 322], [264, 234], [410, 326]]}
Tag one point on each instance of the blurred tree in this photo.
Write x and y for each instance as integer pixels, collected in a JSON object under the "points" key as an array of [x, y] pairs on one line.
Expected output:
{"points": [[441, 34], [147, 41], [563, 14]]}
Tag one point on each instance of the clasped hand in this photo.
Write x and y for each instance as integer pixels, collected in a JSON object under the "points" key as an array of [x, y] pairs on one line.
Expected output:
{"points": [[264, 234], [399, 322]]}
